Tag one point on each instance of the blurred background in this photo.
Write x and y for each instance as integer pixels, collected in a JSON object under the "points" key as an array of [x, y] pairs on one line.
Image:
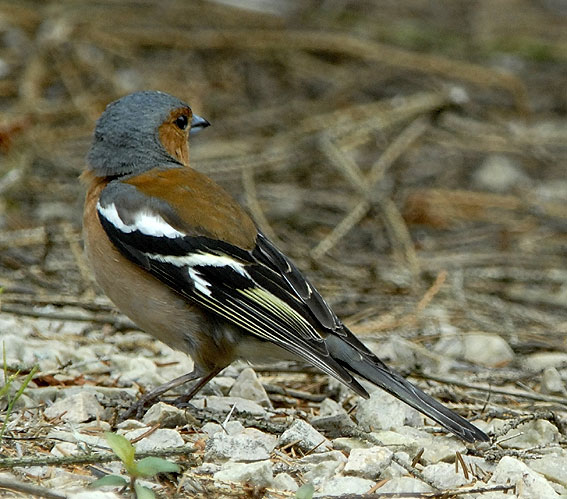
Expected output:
{"points": [[410, 156]]}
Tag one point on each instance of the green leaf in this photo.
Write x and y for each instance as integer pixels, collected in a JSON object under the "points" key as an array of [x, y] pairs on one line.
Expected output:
{"points": [[150, 466], [305, 491], [111, 480], [123, 449], [143, 492]]}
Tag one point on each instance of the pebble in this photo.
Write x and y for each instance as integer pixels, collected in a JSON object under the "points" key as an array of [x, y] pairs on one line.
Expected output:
{"points": [[499, 173], [76, 408], [404, 485], [308, 438], [167, 416], [444, 476], [225, 404], [368, 463], [247, 444], [283, 481], [382, 411], [551, 382], [531, 434], [248, 386], [553, 467], [162, 438], [344, 485], [487, 349], [259, 473], [543, 360], [511, 471]]}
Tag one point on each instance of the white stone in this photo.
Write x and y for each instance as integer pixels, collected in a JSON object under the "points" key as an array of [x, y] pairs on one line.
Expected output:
{"points": [[162, 438], [62, 449], [348, 443], [225, 404], [444, 476], [499, 173], [552, 467], [309, 438], [382, 411], [551, 381], [330, 408], [166, 415], [404, 485], [344, 485], [283, 481], [531, 434], [368, 463], [94, 494], [319, 473], [259, 473], [76, 408], [319, 467], [249, 444], [543, 360], [511, 471], [487, 349], [248, 386]]}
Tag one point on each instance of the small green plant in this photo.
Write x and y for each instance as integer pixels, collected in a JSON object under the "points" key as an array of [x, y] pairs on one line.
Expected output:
{"points": [[144, 468], [5, 390], [305, 491]]}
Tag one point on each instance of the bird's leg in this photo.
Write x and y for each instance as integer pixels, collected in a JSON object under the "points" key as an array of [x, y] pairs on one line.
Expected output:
{"points": [[183, 399], [137, 408]]}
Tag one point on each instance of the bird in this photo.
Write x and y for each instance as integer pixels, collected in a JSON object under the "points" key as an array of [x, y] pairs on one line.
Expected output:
{"points": [[186, 263]]}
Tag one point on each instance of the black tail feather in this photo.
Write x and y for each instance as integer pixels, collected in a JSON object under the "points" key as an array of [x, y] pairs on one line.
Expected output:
{"points": [[368, 366]]}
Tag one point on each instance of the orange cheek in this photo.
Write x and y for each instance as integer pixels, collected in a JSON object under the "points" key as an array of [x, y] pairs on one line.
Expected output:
{"points": [[175, 142]]}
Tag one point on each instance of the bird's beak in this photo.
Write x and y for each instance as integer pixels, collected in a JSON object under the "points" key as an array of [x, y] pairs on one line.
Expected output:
{"points": [[198, 123]]}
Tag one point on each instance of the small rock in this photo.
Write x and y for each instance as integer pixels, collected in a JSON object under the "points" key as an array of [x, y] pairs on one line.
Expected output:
{"points": [[349, 443], [487, 349], [499, 173], [404, 485], [166, 415], [76, 408], [444, 476], [543, 360], [551, 381], [330, 408], [317, 468], [259, 473], [225, 404], [94, 494], [248, 386], [511, 471], [316, 458], [368, 463], [308, 437], [552, 467], [333, 426], [249, 444], [412, 440], [382, 411], [283, 481], [62, 449], [344, 485], [531, 434], [159, 439], [319, 473], [395, 470]]}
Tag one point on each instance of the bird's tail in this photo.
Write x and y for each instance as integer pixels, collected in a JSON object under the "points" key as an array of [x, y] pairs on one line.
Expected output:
{"points": [[362, 362]]}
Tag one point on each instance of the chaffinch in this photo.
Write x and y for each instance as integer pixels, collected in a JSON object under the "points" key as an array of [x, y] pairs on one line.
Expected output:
{"points": [[181, 258]]}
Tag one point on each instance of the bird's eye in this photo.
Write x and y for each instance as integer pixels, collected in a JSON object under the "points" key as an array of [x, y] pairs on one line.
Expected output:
{"points": [[182, 122]]}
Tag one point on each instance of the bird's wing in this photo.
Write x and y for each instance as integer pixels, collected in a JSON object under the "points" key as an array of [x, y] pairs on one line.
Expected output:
{"points": [[245, 280]]}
